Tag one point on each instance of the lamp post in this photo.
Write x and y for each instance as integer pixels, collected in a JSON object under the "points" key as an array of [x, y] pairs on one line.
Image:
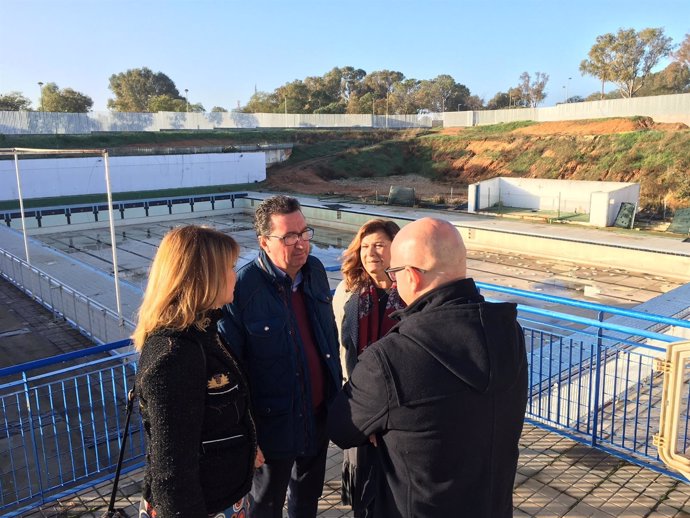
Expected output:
{"points": [[565, 95], [186, 98], [458, 107], [566, 89], [286, 117], [40, 96]]}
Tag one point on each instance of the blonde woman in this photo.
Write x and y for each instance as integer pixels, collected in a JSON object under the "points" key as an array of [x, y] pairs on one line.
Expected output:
{"points": [[201, 448], [363, 303]]}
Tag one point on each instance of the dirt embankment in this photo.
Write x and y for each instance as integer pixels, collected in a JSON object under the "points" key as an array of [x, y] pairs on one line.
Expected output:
{"points": [[579, 150]]}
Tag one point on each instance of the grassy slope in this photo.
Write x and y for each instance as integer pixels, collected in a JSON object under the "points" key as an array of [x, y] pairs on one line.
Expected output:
{"points": [[659, 160]]}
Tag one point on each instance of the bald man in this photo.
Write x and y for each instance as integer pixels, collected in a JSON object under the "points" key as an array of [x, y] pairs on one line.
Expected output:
{"points": [[443, 394]]}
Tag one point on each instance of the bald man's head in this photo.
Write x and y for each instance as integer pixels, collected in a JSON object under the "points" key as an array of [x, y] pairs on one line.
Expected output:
{"points": [[430, 244]]}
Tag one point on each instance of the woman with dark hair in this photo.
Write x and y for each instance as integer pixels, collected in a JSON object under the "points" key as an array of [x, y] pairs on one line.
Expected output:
{"points": [[362, 304], [201, 448]]}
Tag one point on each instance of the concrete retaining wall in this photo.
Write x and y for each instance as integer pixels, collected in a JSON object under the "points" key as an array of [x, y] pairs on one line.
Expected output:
{"points": [[49, 177], [567, 196]]}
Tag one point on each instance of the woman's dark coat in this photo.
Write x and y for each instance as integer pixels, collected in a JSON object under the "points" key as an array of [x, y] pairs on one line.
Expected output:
{"points": [[200, 434]]}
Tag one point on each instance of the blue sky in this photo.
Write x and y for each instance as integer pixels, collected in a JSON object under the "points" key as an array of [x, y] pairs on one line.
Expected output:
{"points": [[220, 50]]}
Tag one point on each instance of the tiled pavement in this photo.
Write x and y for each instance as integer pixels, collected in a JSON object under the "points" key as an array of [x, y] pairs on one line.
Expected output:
{"points": [[557, 477]]}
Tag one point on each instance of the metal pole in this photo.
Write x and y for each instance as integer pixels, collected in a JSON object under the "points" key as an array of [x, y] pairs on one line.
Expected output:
{"points": [[286, 122], [373, 104], [597, 382], [40, 98], [386, 111], [113, 245], [559, 205], [21, 207]]}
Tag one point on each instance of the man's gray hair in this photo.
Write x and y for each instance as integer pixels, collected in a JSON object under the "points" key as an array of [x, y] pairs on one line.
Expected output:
{"points": [[280, 204]]}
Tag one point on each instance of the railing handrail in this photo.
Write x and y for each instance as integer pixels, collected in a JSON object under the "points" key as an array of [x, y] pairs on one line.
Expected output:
{"points": [[52, 360], [652, 317], [602, 325], [116, 204], [97, 305]]}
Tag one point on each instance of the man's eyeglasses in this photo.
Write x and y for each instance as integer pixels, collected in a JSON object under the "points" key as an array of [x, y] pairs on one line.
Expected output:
{"points": [[392, 271], [291, 238]]}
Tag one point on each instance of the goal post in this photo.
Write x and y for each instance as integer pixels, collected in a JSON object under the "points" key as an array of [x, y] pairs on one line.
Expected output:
{"points": [[22, 152]]}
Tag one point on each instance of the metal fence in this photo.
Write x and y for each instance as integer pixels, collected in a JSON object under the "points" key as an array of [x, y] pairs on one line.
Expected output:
{"points": [[92, 319], [591, 378], [592, 372], [60, 430]]}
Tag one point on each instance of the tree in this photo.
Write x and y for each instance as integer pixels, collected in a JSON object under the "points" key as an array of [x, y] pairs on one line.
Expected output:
{"points": [[499, 101], [380, 85], [474, 102], [14, 102], [218, 109], [165, 103], [682, 55], [352, 90], [626, 58], [65, 100], [403, 97], [600, 60], [674, 79], [532, 91], [350, 81], [298, 97], [261, 102], [135, 88]]}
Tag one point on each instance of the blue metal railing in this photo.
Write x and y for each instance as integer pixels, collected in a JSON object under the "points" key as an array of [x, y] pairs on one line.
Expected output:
{"points": [[62, 420], [591, 379]]}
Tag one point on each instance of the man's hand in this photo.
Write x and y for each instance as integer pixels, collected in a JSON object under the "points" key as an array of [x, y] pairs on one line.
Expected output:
{"points": [[372, 440]]}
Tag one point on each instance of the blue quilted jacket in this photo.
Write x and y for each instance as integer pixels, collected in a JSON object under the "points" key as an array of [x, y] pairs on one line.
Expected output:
{"points": [[261, 328]]}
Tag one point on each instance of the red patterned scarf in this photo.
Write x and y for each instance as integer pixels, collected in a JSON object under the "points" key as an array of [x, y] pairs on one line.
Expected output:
{"points": [[370, 327]]}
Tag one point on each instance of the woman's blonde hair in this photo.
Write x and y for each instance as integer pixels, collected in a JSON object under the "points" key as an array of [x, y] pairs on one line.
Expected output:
{"points": [[354, 274], [187, 275]]}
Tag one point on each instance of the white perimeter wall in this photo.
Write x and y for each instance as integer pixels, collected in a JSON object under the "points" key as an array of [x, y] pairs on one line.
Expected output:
{"points": [[601, 200], [661, 108], [74, 176], [50, 123]]}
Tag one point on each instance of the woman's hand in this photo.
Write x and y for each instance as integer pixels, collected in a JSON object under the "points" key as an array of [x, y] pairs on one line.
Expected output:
{"points": [[259, 460]]}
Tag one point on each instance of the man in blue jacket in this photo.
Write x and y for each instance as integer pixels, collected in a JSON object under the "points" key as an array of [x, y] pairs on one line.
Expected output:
{"points": [[443, 394], [281, 326]]}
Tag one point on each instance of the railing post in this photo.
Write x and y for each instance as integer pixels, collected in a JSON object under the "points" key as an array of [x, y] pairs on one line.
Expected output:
{"points": [[597, 381], [37, 460]]}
